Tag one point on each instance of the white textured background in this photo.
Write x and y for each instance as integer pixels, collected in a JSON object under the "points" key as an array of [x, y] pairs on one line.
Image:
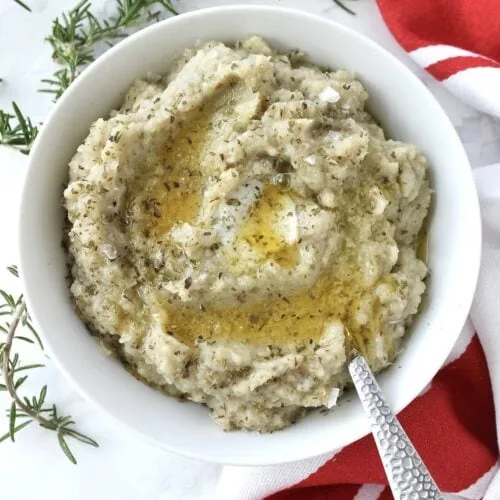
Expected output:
{"points": [[124, 468]]}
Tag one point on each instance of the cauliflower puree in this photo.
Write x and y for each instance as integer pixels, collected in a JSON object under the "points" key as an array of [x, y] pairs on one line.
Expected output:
{"points": [[232, 218]]}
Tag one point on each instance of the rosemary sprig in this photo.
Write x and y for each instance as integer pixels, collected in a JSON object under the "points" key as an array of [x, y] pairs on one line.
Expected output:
{"points": [[23, 5], [344, 7], [74, 36], [19, 135], [24, 411]]}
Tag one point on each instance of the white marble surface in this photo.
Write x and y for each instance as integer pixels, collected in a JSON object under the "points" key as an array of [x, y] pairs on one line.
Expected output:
{"points": [[124, 468]]}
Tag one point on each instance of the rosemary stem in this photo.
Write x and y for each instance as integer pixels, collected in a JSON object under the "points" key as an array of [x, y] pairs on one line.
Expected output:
{"points": [[9, 383]]}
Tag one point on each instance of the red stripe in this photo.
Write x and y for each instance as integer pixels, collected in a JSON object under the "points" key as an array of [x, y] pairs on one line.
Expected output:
{"points": [[452, 425], [386, 495], [469, 24], [335, 492], [444, 69]]}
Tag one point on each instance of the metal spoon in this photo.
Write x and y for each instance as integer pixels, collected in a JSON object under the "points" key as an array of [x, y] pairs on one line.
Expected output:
{"points": [[408, 477]]}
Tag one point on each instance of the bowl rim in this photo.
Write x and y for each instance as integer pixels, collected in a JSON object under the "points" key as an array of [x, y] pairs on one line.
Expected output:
{"points": [[24, 251]]}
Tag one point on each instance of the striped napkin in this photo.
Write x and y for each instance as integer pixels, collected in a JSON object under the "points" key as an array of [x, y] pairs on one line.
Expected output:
{"points": [[453, 423], [456, 41]]}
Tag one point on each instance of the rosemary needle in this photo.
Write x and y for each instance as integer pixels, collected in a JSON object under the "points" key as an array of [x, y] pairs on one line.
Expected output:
{"points": [[23, 5], [344, 7]]}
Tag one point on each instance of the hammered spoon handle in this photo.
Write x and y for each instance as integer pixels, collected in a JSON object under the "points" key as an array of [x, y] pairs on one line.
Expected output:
{"points": [[408, 477]]}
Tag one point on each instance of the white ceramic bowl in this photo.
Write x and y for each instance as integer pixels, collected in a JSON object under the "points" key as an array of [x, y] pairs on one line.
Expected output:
{"points": [[407, 111]]}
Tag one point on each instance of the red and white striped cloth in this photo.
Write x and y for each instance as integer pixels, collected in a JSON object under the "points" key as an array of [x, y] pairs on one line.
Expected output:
{"points": [[453, 423], [456, 41]]}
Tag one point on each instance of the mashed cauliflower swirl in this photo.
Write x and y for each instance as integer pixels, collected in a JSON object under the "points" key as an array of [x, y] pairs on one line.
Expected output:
{"points": [[232, 218]]}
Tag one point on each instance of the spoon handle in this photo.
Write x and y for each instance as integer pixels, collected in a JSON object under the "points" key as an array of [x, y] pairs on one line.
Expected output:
{"points": [[408, 477]]}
